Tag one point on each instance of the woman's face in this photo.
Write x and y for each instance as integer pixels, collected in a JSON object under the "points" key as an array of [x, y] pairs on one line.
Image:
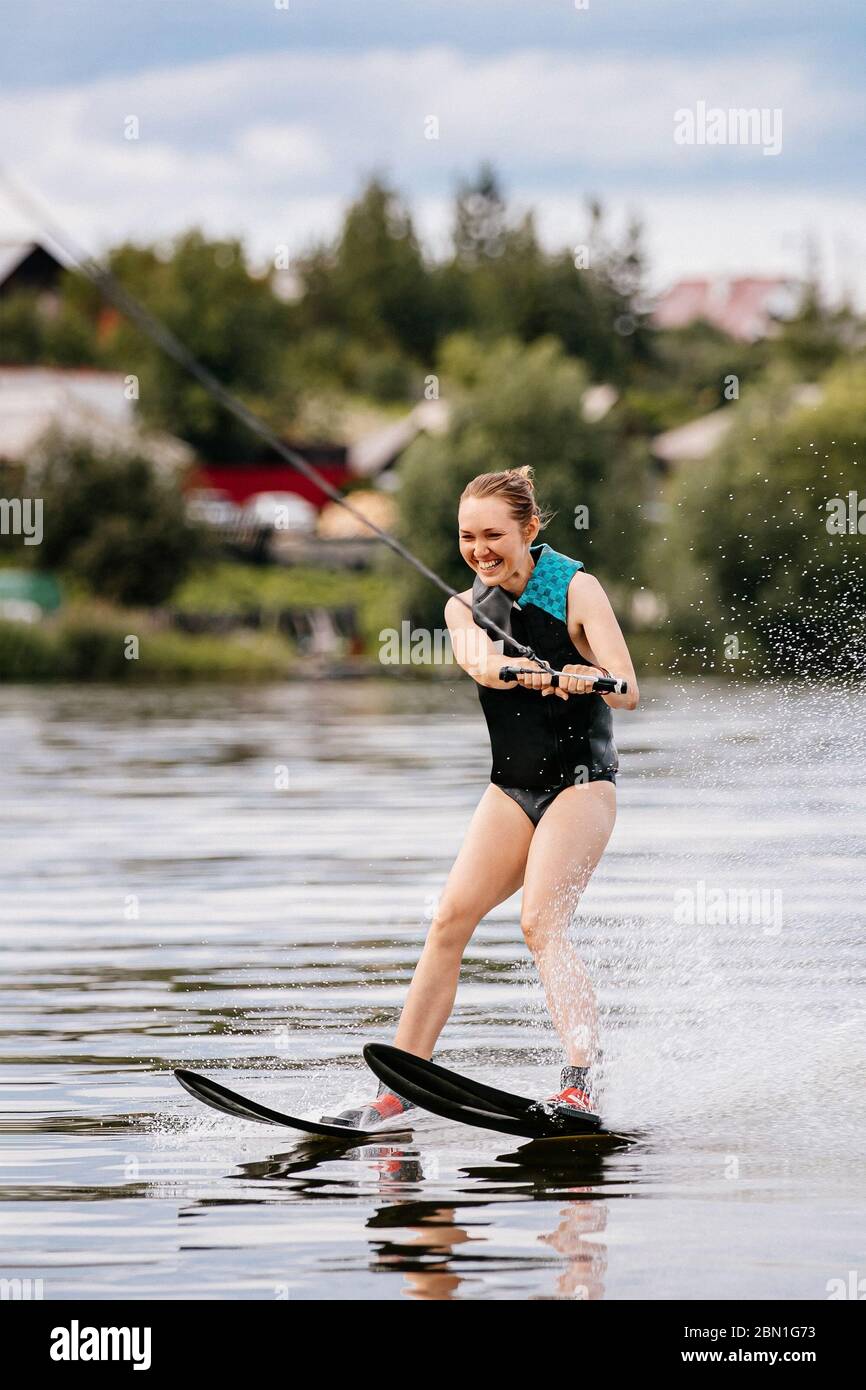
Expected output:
{"points": [[491, 540]]}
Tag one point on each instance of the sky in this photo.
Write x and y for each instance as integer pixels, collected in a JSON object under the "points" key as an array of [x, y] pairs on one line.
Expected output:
{"points": [[263, 118]]}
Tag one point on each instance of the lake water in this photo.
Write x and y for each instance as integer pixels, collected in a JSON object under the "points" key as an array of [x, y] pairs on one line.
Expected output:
{"points": [[239, 881]]}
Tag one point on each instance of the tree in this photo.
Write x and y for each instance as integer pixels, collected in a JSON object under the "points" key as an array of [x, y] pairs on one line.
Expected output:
{"points": [[372, 283], [502, 282], [688, 374], [204, 293], [113, 520], [513, 405], [818, 335], [48, 331], [777, 566], [479, 219]]}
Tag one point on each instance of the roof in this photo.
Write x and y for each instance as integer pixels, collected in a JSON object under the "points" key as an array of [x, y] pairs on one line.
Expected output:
{"points": [[13, 254], [698, 438], [376, 451], [84, 403], [695, 440], [745, 308]]}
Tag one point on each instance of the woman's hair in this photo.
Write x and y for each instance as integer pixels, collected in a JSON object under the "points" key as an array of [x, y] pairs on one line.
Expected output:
{"points": [[517, 487]]}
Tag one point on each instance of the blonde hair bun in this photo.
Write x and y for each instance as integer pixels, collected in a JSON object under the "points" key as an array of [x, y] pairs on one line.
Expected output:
{"points": [[516, 486]]}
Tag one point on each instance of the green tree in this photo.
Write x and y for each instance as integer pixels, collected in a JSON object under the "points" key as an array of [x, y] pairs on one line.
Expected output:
{"points": [[231, 322], [760, 523], [479, 219], [48, 330], [687, 375], [818, 334], [513, 405], [501, 282], [372, 283], [22, 330], [113, 520]]}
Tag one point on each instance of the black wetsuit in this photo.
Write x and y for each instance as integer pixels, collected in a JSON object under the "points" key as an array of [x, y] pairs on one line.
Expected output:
{"points": [[542, 744]]}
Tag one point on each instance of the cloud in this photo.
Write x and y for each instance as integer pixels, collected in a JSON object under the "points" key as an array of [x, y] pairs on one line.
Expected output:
{"points": [[272, 145], [282, 149]]}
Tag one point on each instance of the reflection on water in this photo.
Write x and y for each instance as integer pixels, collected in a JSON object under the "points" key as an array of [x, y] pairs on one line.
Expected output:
{"points": [[239, 881]]}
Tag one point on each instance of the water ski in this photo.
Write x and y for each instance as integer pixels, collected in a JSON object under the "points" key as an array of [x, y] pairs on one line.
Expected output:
{"points": [[457, 1097], [219, 1097]]}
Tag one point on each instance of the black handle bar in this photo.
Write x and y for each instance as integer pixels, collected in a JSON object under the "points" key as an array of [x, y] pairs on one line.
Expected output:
{"points": [[609, 685]]}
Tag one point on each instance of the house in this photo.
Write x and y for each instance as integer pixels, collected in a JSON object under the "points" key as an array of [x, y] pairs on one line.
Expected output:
{"points": [[81, 403], [25, 265], [266, 471], [697, 439], [746, 308], [693, 441]]}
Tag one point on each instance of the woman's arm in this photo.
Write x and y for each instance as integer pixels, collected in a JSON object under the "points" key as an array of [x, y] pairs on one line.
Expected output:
{"points": [[473, 648], [592, 620]]}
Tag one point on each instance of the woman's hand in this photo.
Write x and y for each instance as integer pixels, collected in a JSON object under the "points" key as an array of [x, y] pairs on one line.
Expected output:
{"points": [[579, 681]]}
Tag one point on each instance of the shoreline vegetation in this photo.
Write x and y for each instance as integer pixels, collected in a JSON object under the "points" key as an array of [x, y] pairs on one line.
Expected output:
{"points": [[89, 647], [239, 611], [713, 483]]}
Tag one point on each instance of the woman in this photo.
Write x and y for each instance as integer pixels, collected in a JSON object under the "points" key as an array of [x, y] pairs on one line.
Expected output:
{"points": [[548, 813]]}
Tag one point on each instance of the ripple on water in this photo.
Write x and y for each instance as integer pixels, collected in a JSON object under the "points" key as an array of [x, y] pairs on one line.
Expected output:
{"points": [[164, 903]]}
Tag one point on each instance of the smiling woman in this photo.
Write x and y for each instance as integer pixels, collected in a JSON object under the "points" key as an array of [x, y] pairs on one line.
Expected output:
{"points": [[553, 757]]}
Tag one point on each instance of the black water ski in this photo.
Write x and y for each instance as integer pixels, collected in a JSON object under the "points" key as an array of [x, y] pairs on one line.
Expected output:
{"points": [[441, 1081], [219, 1097], [441, 1091], [451, 1084]]}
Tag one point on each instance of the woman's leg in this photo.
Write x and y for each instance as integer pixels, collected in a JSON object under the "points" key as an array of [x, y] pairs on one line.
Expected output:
{"points": [[488, 869], [569, 841]]}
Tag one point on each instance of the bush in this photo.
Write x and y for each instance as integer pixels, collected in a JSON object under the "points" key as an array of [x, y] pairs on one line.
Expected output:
{"points": [[112, 520], [29, 653], [244, 657], [234, 588], [90, 644]]}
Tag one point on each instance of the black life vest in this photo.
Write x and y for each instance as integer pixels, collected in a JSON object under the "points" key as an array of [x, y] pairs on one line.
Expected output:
{"points": [[541, 741]]}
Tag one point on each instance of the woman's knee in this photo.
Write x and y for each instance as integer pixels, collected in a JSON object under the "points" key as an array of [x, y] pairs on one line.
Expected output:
{"points": [[453, 924], [542, 927], [532, 926]]}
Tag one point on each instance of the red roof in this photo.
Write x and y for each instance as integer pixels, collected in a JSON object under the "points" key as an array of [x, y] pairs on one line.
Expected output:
{"points": [[241, 481], [746, 308]]}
